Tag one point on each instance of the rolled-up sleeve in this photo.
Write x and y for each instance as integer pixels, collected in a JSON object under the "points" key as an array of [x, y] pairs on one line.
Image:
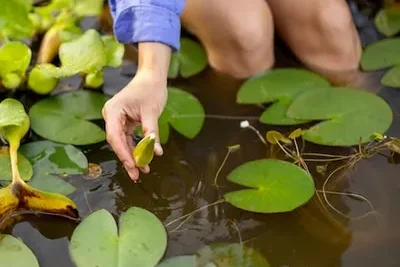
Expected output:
{"points": [[138, 21]]}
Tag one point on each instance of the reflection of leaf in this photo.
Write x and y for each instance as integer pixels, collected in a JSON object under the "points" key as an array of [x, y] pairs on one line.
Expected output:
{"points": [[382, 54], [114, 51], [14, 57], [88, 7], [65, 118], [51, 160], [14, 19], [387, 21], [230, 255], [25, 168], [85, 54], [14, 253], [183, 112], [179, 261], [140, 241], [190, 60], [275, 186], [280, 87], [392, 78], [346, 113]]}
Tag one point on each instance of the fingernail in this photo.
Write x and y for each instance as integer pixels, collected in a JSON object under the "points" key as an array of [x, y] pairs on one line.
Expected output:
{"points": [[158, 149]]}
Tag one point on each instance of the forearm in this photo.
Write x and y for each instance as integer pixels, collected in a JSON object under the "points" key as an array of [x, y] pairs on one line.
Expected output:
{"points": [[154, 60]]}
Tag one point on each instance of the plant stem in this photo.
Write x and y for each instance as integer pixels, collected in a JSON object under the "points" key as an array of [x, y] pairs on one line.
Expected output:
{"points": [[16, 177]]}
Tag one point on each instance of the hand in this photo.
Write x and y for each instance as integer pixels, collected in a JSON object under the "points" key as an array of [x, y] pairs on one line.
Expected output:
{"points": [[140, 102]]}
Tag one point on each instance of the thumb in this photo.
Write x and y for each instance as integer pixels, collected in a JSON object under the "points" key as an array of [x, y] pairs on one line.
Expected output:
{"points": [[150, 125]]}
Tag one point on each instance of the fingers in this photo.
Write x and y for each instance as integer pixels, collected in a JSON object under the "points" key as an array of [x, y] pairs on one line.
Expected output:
{"points": [[118, 140], [150, 125]]}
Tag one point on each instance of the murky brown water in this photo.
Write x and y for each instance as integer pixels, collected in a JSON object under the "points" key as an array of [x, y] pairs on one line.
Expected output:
{"points": [[182, 181]]}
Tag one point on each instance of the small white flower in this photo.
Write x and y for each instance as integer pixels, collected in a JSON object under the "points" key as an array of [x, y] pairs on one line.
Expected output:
{"points": [[244, 124]]}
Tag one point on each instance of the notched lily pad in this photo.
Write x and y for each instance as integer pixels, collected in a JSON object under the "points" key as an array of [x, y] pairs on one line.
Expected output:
{"points": [[14, 253], [66, 118], [392, 78], [140, 241], [381, 55], [387, 21]]}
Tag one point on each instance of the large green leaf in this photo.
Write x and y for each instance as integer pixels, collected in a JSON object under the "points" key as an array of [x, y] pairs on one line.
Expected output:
{"points": [[183, 112], [230, 255], [190, 60], [85, 54], [14, 19], [179, 261], [114, 51], [348, 115], [276, 186], [141, 240], [88, 7], [279, 86], [382, 54], [14, 57], [387, 21], [14, 253], [65, 118], [24, 166], [392, 78], [51, 162]]}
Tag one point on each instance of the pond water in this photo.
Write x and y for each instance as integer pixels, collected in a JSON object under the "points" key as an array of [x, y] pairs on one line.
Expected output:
{"points": [[182, 181]]}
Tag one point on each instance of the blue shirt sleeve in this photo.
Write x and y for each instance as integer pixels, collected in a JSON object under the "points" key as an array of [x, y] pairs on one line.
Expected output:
{"points": [[138, 21]]}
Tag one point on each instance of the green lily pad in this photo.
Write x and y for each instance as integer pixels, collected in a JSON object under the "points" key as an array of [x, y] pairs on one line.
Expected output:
{"points": [[279, 87], [86, 54], [183, 112], [14, 253], [51, 161], [190, 60], [348, 115], [114, 51], [392, 78], [14, 20], [14, 58], [24, 166], [141, 240], [65, 118], [230, 255], [381, 54], [387, 21], [179, 261], [275, 186]]}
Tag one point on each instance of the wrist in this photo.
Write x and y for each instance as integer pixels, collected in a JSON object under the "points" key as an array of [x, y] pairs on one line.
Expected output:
{"points": [[154, 59]]}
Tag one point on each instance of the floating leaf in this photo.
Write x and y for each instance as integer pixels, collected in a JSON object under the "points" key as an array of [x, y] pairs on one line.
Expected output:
{"points": [[183, 112], [179, 261], [190, 60], [65, 118], [114, 51], [14, 58], [231, 255], [14, 253], [276, 186], [392, 78], [51, 161], [346, 115], [141, 240], [84, 8], [85, 54], [24, 166], [387, 21], [280, 87], [14, 20], [381, 54]]}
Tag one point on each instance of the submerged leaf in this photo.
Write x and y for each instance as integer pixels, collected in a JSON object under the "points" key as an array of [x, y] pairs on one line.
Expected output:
{"points": [[346, 115], [179, 261], [387, 21], [190, 60], [14, 253], [24, 166], [381, 54], [276, 186], [65, 118], [183, 112], [392, 78], [141, 240], [279, 87]]}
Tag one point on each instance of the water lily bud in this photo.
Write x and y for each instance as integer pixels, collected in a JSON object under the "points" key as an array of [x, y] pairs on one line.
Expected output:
{"points": [[94, 80], [41, 82], [11, 81], [144, 151]]}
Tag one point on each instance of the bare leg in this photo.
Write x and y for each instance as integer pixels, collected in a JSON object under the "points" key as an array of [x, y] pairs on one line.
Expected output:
{"points": [[237, 34]]}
